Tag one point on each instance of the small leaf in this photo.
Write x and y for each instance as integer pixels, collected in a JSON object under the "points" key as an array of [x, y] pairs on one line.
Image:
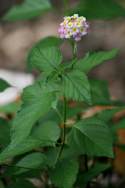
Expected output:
{"points": [[76, 86], [64, 174], [92, 60], [92, 137], [31, 161], [3, 85], [27, 10], [45, 59]]}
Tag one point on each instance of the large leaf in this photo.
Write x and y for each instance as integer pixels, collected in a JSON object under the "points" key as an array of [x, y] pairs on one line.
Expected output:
{"points": [[37, 102], [76, 86], [100, 9], [46, 59], [3, 85], [64, 174], [31, 162], [92, 137], [27, 10], [93, 59], [47, 131]]}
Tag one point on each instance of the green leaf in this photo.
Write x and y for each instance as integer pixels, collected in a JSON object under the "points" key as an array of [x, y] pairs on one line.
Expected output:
{"points": [[92, 137], [21, 183], [37, 102], [100, 92], [93, 172], [64, 174], [4, 133], [3, 85], [50, 41], [94, 59], [10, 108], [47, 131], [25, 146], [31, 161], [45, 59], [76, 86], [100, 9], [27, 10]]}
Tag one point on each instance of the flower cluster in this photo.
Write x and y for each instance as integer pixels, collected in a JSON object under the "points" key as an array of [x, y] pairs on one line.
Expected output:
{"points": [[73, 27]]}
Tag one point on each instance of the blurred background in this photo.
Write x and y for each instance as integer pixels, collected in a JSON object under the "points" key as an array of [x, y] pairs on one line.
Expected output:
{"points": [[107, 31], [17, 37]]}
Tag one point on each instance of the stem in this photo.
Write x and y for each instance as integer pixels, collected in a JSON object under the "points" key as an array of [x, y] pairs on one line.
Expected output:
{"points": [[64, 131], [74, 50]]}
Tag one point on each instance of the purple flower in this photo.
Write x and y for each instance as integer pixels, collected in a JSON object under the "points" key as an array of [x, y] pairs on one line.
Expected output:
{"points": [[74, 27]]}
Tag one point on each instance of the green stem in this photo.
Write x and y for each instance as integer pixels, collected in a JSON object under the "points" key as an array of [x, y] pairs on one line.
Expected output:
{"points": [[74, 50], [64, 130]]}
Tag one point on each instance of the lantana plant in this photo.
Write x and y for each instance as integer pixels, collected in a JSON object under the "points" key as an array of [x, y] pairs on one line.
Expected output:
{"points": [[52, 138]]}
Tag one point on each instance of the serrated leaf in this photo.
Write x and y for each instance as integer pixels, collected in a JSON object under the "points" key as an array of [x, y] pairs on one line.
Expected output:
{"points": [[92, 137], [100, 9], [94, 59], [30, 162], [64, 174], [45, 59], [3, 85], [37, 102], [47, 131], [76, 86], [27, 10]]}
